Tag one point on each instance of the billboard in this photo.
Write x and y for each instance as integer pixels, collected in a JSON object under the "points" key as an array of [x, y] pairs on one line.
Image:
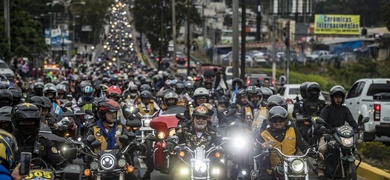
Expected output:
{"points": [[55, 36], [337, 24]]}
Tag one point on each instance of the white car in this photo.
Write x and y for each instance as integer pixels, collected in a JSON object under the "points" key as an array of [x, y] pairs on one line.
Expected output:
{"points": [[290, 92], [4, 69]]}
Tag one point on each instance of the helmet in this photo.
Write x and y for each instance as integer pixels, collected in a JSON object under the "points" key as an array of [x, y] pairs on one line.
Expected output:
{"points": [[16, 95], [168, 83], [5, 97], [180, 87], [276, 100], [171, 95], [313, 91], [48, 104], [209, 107], [277, 113], [339, 90], [189, 87], [8, 146], [114, 92], [302, 89], [30, 115], [267, 92], [38, 101], [148, 81], [50, 88], [104, 105], [62, 89], [38, 88], [201, 92], [200, 111], [145, 87], [237, 81], [145, 94], [84, 84], [87, 90], [133, 91], [254, 91]]}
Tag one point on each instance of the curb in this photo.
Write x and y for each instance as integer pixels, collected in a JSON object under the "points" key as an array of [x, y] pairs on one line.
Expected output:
{"points": [[367, 171]]}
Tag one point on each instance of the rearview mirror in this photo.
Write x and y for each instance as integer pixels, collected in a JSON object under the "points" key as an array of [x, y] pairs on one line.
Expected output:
{"points": [[181, 117], [365, 120], [124, 140], [96, 144]]}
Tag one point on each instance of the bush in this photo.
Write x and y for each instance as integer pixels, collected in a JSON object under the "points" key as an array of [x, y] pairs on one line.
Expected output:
{"points": [[376, 153]]}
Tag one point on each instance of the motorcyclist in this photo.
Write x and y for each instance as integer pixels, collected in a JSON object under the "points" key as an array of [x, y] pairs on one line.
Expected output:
{"points": [[299, 102], [198, 82], [146, 103], [335, 115], [50, 91], [285, 138], [310, 107], [170, 99], [8, 146], [237, 84], [85, 101], [16, 96], [190, 88], [108, 129], [248, 112], [183, 96], [5, 119], [5, 97], [26, 120], [274, 100], [115, 93], [201, 95]]}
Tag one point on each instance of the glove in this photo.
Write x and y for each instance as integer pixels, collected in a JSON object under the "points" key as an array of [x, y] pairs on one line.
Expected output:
{"points": [[170, 146]]}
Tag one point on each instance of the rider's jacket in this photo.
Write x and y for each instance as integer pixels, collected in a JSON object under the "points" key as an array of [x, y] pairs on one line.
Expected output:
{"points": [[184, 98], [108, 136], [286, 140], [85, 103], [40, 147], [308, 108], [337, 115], [150, 108], [192, 139]]}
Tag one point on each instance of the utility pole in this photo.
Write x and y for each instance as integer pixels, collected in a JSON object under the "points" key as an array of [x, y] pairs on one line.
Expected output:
{"points": [[7, 22], [174, 36], [243, 39], [161, 34], [274, 47], [188, 38], [287, 43], [258, 22], [235, 38]]}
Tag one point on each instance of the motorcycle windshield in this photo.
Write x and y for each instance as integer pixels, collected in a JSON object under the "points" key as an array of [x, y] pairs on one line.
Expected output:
{"points": [[174, 110], [164, 122]]}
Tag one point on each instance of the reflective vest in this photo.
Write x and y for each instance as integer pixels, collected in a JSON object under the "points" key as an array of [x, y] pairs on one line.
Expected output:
{"points": [[100, 136], [87, 106], [248, 110], [258, 121], [287, 146]]}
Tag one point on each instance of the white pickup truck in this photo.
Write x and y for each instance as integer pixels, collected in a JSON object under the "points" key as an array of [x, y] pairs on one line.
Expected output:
{"points": [[371, 98]]}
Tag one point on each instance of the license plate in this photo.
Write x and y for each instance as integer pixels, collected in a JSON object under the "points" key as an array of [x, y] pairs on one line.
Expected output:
{"points": [[40, 174]]}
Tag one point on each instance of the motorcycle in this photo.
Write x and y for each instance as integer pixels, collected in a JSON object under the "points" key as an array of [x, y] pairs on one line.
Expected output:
{"points": [[146, 132], [339, 160], [108, 164], [307, 126], [199, 163], [291, 166], [165, 126], [46, 172]]}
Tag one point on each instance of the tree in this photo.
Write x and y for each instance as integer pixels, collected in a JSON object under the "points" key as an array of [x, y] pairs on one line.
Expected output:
{"points": [[149, 15]]}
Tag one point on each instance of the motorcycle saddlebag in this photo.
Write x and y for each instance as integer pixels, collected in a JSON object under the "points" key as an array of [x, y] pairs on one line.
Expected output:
{"points": [[72, 171]]}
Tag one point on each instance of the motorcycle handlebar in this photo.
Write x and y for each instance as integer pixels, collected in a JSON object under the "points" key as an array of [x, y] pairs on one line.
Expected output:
{"points": [[295, 156]]}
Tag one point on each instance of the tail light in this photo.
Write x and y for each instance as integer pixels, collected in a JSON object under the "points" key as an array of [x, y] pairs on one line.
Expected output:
{"points": [[248, 82], [158, 59], [273, 82], [177, 59], [377, 112], [185, 59], [289, 101]]}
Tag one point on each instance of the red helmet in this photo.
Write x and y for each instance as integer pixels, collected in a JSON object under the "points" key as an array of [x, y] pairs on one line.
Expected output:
{"points": [[114, 90], [106, 105]]}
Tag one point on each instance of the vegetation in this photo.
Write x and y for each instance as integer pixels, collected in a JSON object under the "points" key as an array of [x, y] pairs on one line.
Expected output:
{"points": [[376, 153]]}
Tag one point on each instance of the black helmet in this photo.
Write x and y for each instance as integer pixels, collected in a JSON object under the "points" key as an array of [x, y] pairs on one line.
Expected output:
{"points": [[200, 111], [145, 94], [38, 101], [26, 119], [337, 90], [267, 92], [276, 100], [302, 89], [180, 87], [277, 113], [237, 81], [16, 95], [48, 104], [38, 88], [313, 91], [171, 95], [145, 87], [133, 90], [5, 97]]}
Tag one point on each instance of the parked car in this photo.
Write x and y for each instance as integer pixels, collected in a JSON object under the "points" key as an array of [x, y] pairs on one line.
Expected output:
{"points": [[316, 55], [4, 69], [290, 93]]}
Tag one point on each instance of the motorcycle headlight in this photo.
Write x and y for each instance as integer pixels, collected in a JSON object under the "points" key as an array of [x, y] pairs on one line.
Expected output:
{"points": [[107, 161], [239, 143], [297, 165], [94, 165], [215, 171], [347, 142], [200, 166], [147, 122], [131, 109], [184, 171], [121, 163], [161, 135]]}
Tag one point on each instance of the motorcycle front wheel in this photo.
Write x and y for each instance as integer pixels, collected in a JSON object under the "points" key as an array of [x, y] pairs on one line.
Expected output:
{"points": [[350, 170]]}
